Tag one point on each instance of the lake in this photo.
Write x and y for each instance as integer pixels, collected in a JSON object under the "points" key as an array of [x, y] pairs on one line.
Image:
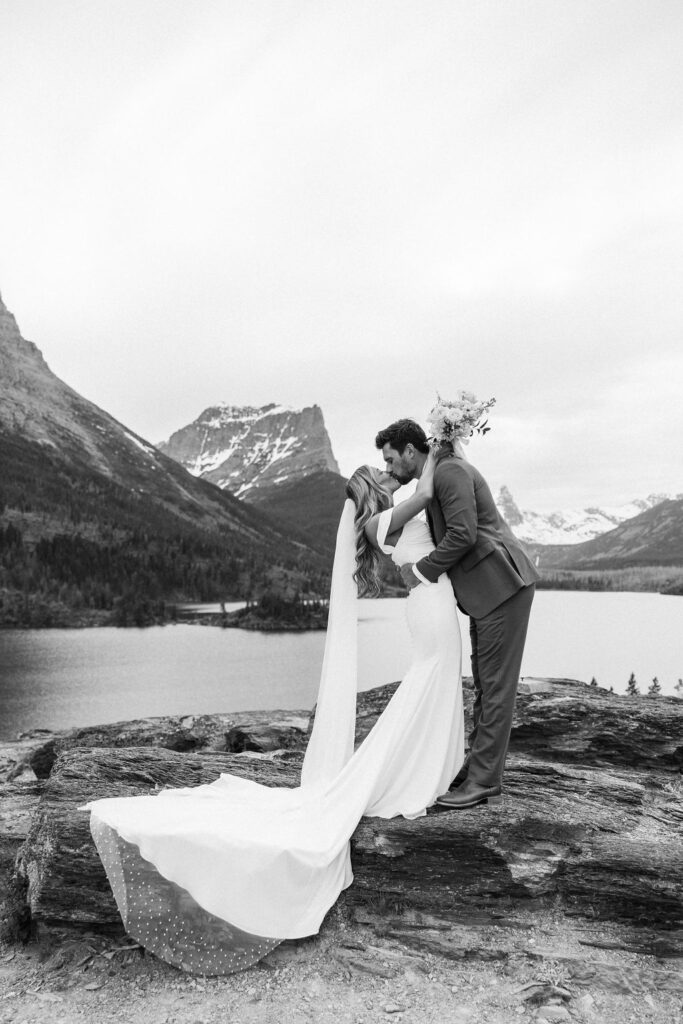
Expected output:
{"points": [[59, 678]]}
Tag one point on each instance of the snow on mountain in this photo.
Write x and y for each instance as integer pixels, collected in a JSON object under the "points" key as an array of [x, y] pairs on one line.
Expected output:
{"points": [[571, 526], [243, 449]]}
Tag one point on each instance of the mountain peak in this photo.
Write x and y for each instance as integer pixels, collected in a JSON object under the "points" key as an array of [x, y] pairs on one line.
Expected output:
{"points": [[225, 412], [17, 355], [28, 385], [508, 507], [243, 449]]}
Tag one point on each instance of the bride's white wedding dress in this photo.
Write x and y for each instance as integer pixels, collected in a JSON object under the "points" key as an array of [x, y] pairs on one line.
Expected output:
{"points": [[211, 878]]}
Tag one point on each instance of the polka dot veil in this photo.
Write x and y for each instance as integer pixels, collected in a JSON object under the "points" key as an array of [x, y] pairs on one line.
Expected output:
{"points": [[165, 919]]}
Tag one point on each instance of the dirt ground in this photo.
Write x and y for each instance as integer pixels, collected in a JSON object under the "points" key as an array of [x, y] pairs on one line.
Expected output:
{"points": [[342, 976]]}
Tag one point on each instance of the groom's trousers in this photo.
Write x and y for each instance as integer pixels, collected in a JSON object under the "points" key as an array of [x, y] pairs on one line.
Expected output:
{"points": [[497, 647]]}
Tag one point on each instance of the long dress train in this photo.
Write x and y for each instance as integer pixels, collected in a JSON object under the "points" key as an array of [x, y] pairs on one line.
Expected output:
{"points": [[211, 878]]}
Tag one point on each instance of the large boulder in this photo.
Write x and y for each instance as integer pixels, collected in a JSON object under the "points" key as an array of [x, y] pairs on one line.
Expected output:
{"points": [[589, 830]]}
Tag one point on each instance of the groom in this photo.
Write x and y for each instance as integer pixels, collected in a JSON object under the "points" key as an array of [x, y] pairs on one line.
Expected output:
{"points": [[494, 583]]}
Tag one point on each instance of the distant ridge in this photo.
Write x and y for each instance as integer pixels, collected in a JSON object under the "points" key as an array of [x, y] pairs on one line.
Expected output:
{"points": [[570, 526], [654, 537]]}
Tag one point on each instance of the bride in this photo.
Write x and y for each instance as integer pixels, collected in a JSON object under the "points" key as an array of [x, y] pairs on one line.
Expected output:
{"points": [[212, 878]]}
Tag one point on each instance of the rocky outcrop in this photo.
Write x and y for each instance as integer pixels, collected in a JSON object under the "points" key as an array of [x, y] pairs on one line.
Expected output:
{"points": [[600, 845], [588, 835], [233, 733], [246, 449], [561, 720], [19, 802], [63, 881], [27, 763]]}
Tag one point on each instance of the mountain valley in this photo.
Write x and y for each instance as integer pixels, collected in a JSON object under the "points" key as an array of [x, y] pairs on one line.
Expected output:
{"points": [[97, 522]]}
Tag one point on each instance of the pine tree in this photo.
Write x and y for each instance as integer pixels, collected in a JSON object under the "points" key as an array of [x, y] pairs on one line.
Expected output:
{"points": [[654, 688], [632, 686], [594, 681], [679, 687]]}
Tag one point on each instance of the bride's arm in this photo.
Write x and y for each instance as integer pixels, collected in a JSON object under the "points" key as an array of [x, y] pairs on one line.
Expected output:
{"points": [[400, 514]]}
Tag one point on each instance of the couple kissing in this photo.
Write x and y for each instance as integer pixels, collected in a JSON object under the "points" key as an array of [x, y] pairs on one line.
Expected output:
{"points": [[213, 877]]}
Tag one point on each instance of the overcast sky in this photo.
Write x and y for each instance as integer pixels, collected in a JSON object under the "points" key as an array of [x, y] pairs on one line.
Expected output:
{"points": [[357, 203]]}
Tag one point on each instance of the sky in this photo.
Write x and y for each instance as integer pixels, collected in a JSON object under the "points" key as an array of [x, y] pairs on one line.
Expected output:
{"points": [[359, 204]]}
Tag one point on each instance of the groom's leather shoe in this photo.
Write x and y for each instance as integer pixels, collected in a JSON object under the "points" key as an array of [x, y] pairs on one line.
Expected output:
{"points": [[469, 794]]}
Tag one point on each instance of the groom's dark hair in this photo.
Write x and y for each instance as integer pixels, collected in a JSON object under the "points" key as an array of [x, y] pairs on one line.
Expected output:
{"points": [[397, 435]]}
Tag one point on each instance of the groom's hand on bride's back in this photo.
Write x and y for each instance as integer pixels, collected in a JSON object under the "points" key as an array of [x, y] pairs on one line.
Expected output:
{"points": [[408, 576]]}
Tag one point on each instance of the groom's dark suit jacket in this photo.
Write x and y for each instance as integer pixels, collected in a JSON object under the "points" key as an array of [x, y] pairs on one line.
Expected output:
{"points": [[474, 545]]}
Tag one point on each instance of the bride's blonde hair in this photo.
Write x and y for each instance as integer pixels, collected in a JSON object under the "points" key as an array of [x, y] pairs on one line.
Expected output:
{"points": [[369, 497]]}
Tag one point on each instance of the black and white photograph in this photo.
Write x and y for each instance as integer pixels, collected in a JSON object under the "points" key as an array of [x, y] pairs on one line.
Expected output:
{"points": [[341, 511]]}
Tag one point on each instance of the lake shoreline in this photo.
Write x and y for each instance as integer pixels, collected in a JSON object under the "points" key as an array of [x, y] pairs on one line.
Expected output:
{"points": [[94, 619]]}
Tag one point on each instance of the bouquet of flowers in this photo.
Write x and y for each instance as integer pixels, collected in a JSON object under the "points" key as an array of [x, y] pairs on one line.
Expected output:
{"points": [[458, 419]]}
